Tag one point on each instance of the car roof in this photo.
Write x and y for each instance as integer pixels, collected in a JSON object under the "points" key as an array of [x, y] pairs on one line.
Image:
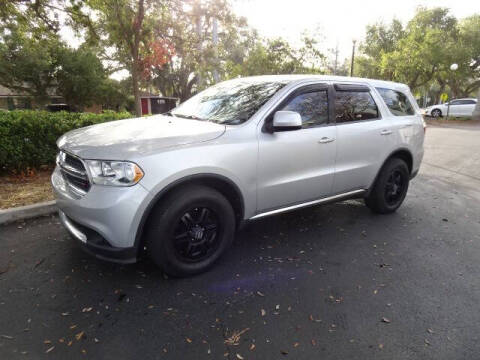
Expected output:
{"points": [[307, 78]]}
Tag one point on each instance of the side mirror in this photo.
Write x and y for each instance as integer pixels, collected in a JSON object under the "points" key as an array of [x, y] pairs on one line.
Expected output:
{"points": [[287, 120]]}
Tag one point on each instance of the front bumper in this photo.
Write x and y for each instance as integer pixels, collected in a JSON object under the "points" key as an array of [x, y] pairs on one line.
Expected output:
{"points": [[105, 221], [95, 245]]}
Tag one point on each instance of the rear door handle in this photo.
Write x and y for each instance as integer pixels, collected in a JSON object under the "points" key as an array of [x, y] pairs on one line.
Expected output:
{"points": [[385, 132], [407, 126], [325, 140]]}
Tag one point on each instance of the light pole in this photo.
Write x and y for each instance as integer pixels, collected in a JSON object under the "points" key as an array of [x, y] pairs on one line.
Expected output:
{"points": [[453, 67], [353, 57]]}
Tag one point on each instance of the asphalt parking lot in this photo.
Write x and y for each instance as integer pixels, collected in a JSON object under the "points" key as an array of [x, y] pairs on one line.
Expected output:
{"points": [[331, 282]]}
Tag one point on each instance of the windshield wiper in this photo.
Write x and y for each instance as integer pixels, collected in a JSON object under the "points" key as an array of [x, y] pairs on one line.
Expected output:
{"points": [[192, 117]]}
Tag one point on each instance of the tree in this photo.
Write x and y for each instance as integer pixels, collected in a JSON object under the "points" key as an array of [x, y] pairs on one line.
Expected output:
{"points": [[125, 29], [28, 64], [189, 29]]}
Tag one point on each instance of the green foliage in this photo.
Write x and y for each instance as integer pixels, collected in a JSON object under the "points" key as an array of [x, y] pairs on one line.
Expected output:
{"points": [[420, 54], [28, 138]]}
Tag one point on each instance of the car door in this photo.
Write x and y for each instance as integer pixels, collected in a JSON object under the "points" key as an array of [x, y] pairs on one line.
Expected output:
{"points": [[455, 108], [362, 137], [297, 166], [467, 107]]}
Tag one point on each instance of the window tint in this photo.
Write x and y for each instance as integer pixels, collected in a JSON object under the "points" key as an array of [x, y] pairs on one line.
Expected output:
{"points": [[312, 107], [354, 106], [467, 102], [455, 102], [397, 102]]}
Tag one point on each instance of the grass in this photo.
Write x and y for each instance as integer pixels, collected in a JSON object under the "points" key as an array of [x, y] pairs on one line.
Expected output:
{"points": [[18, 190]]}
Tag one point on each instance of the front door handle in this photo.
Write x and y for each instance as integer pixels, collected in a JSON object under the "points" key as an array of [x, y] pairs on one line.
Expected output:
{"points": [[325, 140], [385, 132]]}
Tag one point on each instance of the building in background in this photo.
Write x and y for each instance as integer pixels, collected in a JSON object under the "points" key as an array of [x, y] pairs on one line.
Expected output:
{"points": [[155, 104]]}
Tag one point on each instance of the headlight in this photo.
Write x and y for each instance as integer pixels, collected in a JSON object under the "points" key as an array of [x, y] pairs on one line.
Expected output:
{"points": [[114, 173]]}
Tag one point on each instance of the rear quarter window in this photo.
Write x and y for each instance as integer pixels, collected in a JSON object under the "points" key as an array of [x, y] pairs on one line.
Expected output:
{"points": [[396, 101]]}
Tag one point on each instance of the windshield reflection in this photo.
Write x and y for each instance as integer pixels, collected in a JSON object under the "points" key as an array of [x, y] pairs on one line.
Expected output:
{"points": [[231, 102]]}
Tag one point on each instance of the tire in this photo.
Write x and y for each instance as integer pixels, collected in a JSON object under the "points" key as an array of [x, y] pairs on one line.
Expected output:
{"points": [[436, 113], [189, 230], [390, 187]]}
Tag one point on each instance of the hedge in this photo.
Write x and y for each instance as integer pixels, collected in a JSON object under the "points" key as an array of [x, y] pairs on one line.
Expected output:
{"points": [[28, 138]]}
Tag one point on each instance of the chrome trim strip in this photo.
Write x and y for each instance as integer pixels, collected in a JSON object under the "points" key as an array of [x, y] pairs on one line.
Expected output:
{"points": [[74, 172], [75, 189], [309, 203], [71, 228]]}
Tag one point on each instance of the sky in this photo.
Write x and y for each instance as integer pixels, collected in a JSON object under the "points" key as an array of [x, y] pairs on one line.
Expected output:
{"points": [[338, 20]]}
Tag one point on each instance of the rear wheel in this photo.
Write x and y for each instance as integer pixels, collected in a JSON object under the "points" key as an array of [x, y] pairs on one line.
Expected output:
{"points": [[436, 113], [190, 230], [390, 188]]}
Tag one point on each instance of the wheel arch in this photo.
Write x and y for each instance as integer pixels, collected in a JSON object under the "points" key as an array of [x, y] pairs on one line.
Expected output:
{"points": [[402, 153], [222, 184]]}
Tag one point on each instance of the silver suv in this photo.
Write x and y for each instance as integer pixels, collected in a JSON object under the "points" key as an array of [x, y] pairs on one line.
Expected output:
{"points": [[177, 185]]}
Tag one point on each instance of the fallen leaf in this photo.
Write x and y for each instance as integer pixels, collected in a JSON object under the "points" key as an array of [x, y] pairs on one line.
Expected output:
{"points": [[239, 356], [430, 331], [259, 293], [88, 309], [380, 346], [188, 340], [80, 335], [313, 342], [8, 337], [263, 312], [283, 352], [235, 338], [252, 347], [385, 320], [296, 344], [49, 349], [427, 342], [277, 307]]}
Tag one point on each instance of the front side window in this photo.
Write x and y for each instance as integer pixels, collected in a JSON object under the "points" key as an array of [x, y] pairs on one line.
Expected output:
{"points": [[312, 107], [231, 102], [397, 102], [354, 106]]}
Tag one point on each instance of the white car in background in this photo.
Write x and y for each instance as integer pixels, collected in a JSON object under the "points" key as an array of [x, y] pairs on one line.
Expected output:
{"points": [[458, 108]]}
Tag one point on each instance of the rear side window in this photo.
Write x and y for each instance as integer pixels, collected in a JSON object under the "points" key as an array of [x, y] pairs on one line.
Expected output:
{"points": [[466, 102], [312, 107], [354, 106], [397, 102]]}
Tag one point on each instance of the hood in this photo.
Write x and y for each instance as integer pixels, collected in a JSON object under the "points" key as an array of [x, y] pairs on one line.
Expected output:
{"points": [[127, 139]]}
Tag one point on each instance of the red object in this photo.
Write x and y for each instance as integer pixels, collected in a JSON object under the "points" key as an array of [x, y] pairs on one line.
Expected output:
{"points": [[144, 106]]}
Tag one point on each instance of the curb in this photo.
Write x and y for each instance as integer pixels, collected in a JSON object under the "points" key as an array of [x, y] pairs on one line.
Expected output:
{"points": [[27, 212]]}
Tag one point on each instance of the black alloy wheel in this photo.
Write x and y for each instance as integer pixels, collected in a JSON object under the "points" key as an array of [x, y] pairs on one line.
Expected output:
{"points": [[390, 187], [189, 230], [196, 234], [395, 187]]}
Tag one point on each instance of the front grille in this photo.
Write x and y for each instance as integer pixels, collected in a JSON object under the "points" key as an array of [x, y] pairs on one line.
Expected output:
{"points": [[74, 173]]}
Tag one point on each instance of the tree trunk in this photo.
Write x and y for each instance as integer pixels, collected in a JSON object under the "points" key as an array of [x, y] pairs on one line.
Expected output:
{"points": [[136, 91], [476, 112]]}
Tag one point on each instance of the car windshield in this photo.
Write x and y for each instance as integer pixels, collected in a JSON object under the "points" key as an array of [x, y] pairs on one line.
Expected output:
{"points": [[231, 102]]}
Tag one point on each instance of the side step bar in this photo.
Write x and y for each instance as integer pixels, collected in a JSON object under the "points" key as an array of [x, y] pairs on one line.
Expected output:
{"points": [[344, 196]]}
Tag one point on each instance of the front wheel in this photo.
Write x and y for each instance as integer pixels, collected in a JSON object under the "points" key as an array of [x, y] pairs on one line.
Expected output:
{"points": [[436, 113], [390, 188], [190, 230]]}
